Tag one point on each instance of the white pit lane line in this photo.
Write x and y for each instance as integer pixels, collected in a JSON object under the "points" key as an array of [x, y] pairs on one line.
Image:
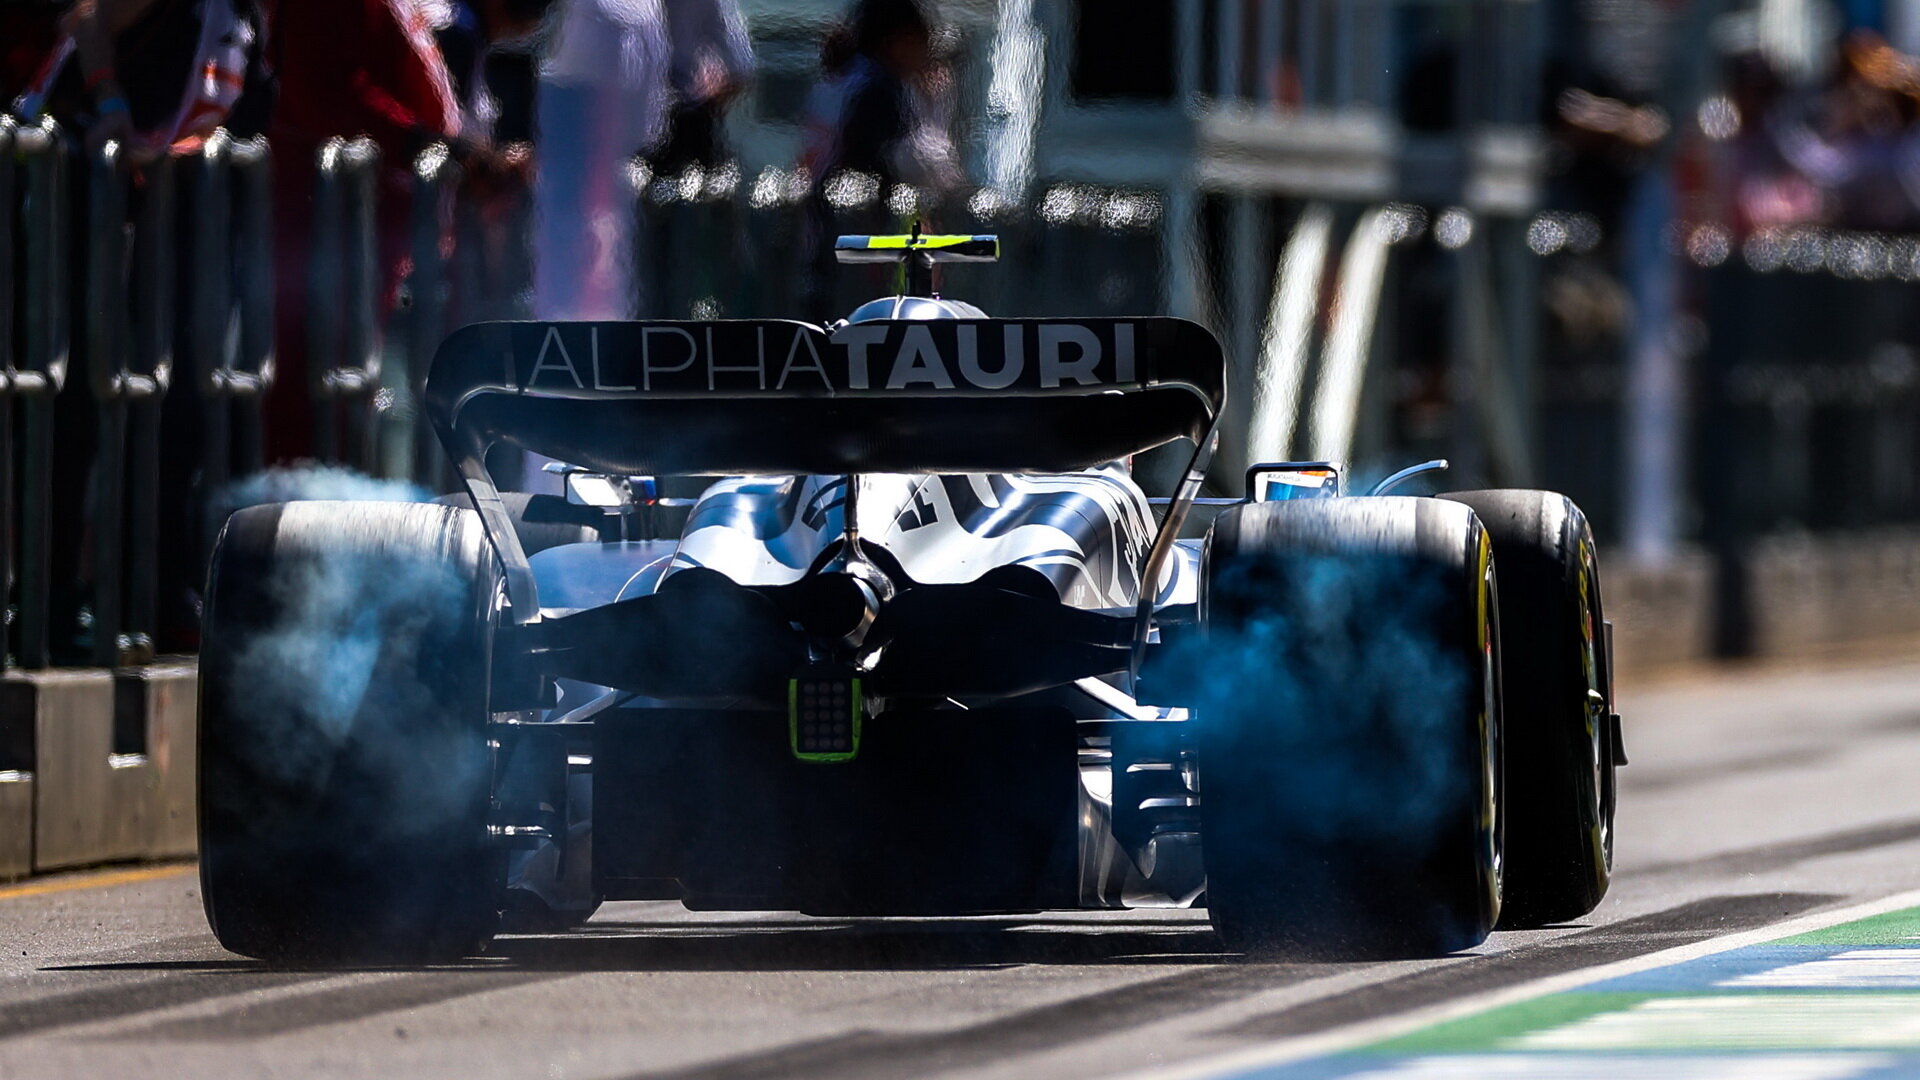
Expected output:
{"points": [[1350, 1036]]}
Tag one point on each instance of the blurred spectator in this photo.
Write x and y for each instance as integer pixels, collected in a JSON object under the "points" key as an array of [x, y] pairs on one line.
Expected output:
{"points": [[1600, 141], [1844, 151], [496, 165], [153, 73], [881, 106], [622, 77], [1849, 143], [512, 70], [710, 60], [346, 68], [27, 36], [826, 101], [468, 33], [1755, 186], [878, 118]]}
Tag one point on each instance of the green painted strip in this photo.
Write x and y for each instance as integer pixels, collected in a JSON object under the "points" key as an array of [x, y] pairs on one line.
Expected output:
{"points": [[1484, 1031], [1893, 928]]}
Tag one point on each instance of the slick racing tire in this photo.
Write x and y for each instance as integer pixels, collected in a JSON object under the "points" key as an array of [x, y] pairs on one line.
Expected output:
{"points": [[1560, 778], [543, 521], [1348, 729], [344, 766]]}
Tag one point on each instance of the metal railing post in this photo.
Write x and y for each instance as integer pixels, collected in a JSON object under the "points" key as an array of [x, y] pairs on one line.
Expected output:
{"points": [[411, 449], [343, 279], [212, 310], [252, 246], [359, 372], [1228, 47], [230, 340], [324, 273], [155, 297], [8, 361], [44, 215], [106, 355]]}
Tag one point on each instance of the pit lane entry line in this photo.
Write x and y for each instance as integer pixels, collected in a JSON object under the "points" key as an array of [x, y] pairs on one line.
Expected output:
{"points": [[101, 880], [1234, 1063]]}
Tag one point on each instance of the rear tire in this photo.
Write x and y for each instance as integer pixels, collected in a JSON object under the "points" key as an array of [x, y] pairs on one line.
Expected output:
{"points": [[1561, 785], [344, 766], [1349, 754]]}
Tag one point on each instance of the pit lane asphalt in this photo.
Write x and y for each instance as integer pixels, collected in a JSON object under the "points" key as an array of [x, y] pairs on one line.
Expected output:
{"points": [[1754, 796]]}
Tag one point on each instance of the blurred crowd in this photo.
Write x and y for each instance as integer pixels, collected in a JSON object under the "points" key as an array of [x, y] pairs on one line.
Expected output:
{"points": [[1841, 150], [1765, 148]]}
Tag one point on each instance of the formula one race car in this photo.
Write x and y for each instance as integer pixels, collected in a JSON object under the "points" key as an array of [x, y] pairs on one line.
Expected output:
{"points": [[925, 647]]}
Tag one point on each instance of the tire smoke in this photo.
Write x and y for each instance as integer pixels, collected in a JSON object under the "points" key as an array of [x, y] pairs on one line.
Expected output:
{"points": [[1339, 673]]}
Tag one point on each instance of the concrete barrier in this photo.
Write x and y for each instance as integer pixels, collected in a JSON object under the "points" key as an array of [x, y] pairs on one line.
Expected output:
{"points": [[16, 824], [1833, 590], [96, 766], [69, 718], [158, 703], [16, 790], [1793, 592], [1661, 614]]}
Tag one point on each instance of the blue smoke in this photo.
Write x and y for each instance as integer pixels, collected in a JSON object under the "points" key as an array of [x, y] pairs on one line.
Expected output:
{"points": [[312, 671], [1340, 683], [365, 638], [309, 482]]}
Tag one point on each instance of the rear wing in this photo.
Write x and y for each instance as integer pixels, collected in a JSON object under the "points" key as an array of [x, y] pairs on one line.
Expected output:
{"points": [[741, 397], [775, 397]]}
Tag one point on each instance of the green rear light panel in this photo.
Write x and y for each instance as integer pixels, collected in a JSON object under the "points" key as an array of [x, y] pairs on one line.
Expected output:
{"points": [[823, 719]]}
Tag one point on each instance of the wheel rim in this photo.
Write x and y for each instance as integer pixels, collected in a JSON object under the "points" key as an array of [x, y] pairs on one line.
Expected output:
{"points": [[1493, 775], [1599, 730]]}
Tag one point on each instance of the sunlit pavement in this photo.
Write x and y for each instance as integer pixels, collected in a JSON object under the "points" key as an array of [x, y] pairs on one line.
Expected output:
{"points": [[1759, 806]]}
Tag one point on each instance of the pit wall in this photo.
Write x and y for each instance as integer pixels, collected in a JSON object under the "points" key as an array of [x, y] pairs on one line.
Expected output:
{"points": [[97, 766], [1778, 597]]}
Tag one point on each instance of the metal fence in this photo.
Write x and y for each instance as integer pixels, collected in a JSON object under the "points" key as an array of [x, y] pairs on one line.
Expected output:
{"points": [[32, 312], [1809, 389], [98, 502], [1800, 352], [153, 281]]}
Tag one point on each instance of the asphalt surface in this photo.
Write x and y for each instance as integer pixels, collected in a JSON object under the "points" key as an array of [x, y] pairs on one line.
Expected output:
{"points": [[1753, 797]]}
